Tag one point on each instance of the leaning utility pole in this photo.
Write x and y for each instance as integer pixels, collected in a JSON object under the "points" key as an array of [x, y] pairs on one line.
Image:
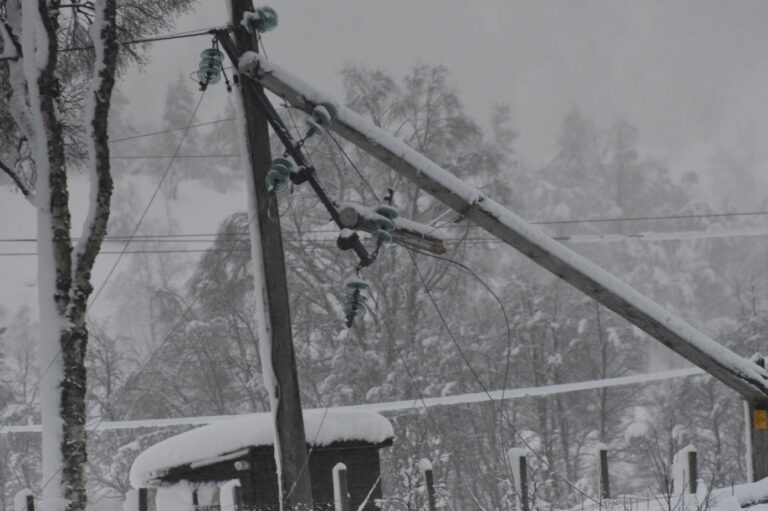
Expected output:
{"points": [[269, 272], [746, 377]]}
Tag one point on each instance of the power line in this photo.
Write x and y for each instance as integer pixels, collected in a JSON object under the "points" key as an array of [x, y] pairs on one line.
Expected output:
{"points": [[149, 204], [120, 255], [479, 381], [192, 238], [171, 156], [230, 236], [166, 37], [657, 217], [584, 238], [459, 348], [169, 130]]}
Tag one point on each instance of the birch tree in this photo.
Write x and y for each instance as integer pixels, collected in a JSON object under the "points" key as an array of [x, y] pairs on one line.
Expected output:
{"points": [[58, 72]]}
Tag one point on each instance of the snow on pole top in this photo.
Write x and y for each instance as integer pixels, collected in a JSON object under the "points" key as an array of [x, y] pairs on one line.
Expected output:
{"points": [[254, 430], [425, 465]]}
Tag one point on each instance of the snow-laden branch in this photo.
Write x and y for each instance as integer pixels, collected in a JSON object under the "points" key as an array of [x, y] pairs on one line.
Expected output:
{"points": [[10, 51], [20, 182], [18, 104]]}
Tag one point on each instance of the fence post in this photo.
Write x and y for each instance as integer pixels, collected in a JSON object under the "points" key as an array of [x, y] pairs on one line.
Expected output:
{"points": [[340, 491], [684, 471], [229, 496], [24, 500], [693, 475], [519, 464], [143, 499], [425, 466], [602, 473]]}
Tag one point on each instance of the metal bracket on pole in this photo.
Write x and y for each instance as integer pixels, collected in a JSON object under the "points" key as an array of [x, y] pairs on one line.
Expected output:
{"points": [[307, 172]]}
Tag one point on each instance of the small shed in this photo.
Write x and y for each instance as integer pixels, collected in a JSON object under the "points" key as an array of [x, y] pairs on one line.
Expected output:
{"points": [[242, 449]]}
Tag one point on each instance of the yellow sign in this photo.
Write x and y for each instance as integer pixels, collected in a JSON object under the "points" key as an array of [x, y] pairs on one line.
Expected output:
{"points": [[761, 419]]}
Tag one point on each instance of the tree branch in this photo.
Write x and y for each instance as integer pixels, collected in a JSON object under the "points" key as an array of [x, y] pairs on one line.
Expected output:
{"points": [[95, 229], [10, 45], [28, 193]]}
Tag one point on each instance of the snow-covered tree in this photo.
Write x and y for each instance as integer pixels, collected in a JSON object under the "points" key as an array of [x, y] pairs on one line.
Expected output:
{"points": [[55, 112]]}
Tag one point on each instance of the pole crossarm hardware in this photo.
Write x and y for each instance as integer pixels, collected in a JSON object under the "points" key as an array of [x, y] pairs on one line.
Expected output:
{"points": [[406, 232], [307, 171], [739, 373]]}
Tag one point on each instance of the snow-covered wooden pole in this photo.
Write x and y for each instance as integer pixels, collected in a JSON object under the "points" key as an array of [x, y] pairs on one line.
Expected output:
{"points": [[230, 496], [602, 472], [278, 360], [684, 471], [756, 422], [518, 462], [750, 380], [340, 489], [425, 466], [24, 500]]}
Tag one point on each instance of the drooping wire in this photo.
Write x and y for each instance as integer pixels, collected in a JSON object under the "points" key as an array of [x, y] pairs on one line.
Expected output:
{"points": [[484, 388], [167, 37], [353, 165], [435, 424], [123, 251], [170, 130], [149, 204], [469, 365], [402, 358]]}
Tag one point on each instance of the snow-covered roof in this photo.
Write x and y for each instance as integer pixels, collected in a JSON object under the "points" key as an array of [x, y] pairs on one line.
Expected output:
{"points": [[322, 427]]}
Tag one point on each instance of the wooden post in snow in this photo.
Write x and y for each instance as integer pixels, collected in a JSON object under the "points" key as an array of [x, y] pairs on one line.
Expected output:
{"points": [[693, 472], [518, 463], [143, 499], [425, 466], [290, 438], [340, 489], [757, 427], [602, 472], [684, 471], [24, 500], [757, 433]]}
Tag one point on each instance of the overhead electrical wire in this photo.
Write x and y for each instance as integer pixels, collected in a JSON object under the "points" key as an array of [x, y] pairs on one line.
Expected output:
{"points": [[145, 40], [169, 130], [152, 198], [399, 352], [95, 297], [464, 358]]}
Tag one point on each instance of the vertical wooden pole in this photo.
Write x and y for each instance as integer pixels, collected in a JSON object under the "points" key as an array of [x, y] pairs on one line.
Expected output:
{"points": [[519, 465], [757, 415], [230, 498], [425, 466], [523, 461], [693, 474], [238, 498], [602, 475], [290, 439], [143, 499], [340, 489], [22, 500]]}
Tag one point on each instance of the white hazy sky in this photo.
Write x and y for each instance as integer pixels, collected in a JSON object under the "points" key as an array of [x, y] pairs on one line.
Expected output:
{"points": [[687, 72], [692, 75]]}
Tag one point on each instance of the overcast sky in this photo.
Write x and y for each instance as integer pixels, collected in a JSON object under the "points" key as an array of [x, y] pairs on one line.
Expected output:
{"points": [[692, 75]]}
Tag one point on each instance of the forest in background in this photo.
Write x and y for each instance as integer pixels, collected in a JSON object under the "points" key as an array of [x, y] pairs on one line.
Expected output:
{"points": [[183, 340]]}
